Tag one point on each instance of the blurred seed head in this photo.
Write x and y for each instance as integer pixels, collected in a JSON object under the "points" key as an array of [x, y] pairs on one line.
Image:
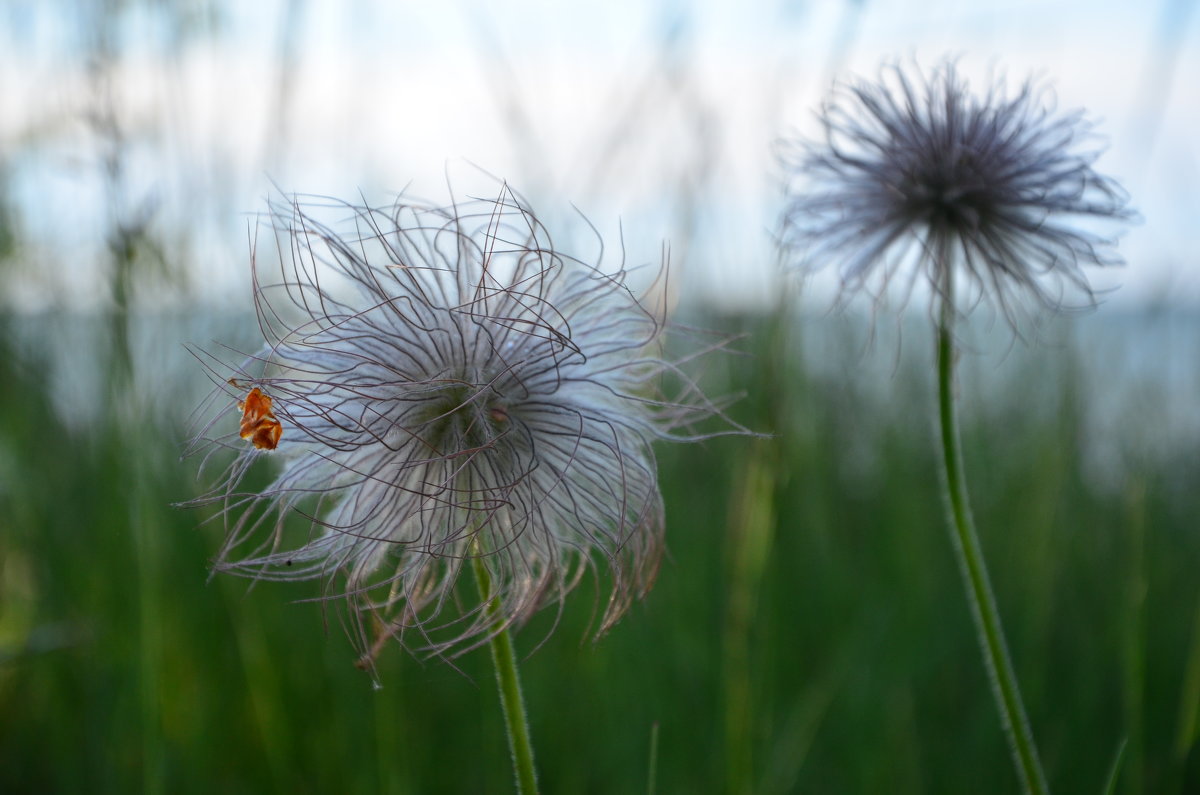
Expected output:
{"points": [[475, 393], [916, 175]]}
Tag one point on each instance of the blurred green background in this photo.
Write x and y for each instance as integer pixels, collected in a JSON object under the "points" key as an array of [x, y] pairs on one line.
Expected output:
{"points": [[808, 632]]}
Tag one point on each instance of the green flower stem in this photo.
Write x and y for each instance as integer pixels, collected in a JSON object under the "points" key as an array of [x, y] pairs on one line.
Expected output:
{"points": [[974, 569], [509, 681]]}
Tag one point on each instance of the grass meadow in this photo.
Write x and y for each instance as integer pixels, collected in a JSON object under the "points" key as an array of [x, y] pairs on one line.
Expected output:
{"points": [[807, 632]]}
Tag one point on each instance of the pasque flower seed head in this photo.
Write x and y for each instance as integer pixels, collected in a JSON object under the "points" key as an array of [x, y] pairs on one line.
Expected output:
{"points": [[449, 385], [916, 174]]}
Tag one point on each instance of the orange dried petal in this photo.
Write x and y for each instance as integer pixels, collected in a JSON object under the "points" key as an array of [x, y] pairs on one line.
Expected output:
{"points": [[259, 425]]}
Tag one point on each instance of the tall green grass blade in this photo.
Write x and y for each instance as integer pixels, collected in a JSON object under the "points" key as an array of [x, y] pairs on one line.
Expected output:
{"points": [[1114, 770]]}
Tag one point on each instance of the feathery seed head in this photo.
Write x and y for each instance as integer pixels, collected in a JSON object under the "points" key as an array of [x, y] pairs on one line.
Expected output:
{"points": [[917, 173], [478, 393]]}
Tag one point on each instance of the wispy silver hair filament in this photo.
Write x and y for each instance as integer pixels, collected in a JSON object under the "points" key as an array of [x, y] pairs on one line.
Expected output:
{"points": [[915, 174], [475, 392]]}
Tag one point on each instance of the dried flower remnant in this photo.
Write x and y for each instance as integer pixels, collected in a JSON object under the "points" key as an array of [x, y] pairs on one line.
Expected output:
{"points": [[989, 197], [259, 425], [455, 387], [915, 173]]}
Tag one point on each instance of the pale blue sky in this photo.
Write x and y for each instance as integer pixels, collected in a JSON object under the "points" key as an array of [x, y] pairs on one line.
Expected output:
{"points": [[659, 117]]}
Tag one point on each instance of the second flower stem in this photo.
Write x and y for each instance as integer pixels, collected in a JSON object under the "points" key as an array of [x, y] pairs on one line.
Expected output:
{"points": [[974, 568]]}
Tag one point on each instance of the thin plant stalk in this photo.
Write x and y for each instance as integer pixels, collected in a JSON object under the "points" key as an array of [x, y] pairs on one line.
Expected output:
{"points": [[652, 777], [750, 537], [973, 566], [509, 682]]}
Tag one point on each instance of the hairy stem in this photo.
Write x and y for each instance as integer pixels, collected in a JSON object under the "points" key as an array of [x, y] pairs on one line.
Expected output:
{"points": [[974, 568], [509, 681]]}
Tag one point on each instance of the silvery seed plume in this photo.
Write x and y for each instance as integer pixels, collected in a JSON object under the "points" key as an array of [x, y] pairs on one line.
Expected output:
{"points": [[916, 174], [449, 386]]}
